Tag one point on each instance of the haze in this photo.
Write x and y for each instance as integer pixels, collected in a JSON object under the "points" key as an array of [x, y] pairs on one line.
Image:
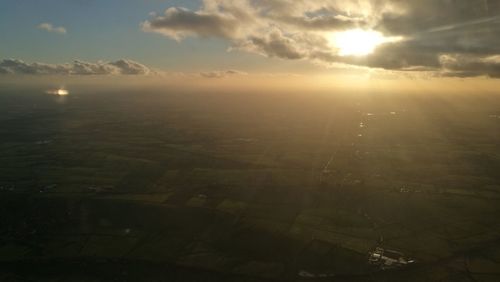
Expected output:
{"points": [[250, 140]]}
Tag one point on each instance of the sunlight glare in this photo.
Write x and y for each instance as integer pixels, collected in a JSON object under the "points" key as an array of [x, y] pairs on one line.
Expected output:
{"points": [[62, 92], [359, 42], [58, 92]]}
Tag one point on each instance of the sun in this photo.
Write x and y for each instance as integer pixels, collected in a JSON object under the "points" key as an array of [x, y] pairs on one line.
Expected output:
{"points": [[358, 42]]}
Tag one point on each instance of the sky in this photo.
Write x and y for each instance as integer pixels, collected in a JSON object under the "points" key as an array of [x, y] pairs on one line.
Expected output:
{"points": [[219, 38]]}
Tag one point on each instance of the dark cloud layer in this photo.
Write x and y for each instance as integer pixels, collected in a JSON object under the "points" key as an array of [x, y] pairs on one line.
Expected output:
{"points": [[450, 37], [124, 67]]}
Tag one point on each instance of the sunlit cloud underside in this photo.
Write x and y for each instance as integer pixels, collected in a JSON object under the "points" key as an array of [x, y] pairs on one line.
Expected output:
{"points": [[452, 38]]}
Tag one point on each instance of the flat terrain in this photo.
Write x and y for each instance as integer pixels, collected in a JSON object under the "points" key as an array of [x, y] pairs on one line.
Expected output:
{"points": [[166, 186]]}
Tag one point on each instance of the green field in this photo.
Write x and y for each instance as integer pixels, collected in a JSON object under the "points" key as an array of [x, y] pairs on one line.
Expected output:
{"points": [[247, 187]]}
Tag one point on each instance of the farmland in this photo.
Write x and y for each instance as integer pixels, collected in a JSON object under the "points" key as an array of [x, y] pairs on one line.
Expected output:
{"points": [[248, 187]]}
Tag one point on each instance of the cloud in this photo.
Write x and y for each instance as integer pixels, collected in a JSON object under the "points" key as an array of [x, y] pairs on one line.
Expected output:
{"points": [[466, 30], [50, 28], [470, 65], [179, 23], [130, 67], [78, 67], [221, 74], [273, 44]]}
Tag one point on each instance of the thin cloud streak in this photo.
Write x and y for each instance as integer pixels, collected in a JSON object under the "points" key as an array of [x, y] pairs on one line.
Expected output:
{"points": [[51, 28]]}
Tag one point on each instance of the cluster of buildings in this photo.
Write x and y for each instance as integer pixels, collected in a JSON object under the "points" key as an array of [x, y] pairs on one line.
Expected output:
{"points": [[388, 259]]}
